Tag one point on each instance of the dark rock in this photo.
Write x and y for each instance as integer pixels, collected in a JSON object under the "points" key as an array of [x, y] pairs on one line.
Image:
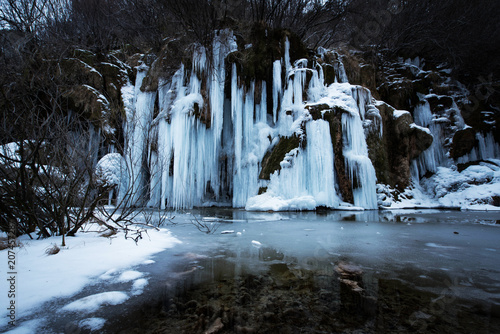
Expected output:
{"points": [[216, 327], [360, 71], [244, 330], [420, 140], [316, 110], [463, 142], [439, 103]]}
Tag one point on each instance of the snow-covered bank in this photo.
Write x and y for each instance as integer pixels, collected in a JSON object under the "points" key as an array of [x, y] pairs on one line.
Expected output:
{"points": [[476, 187], [87, 258]]}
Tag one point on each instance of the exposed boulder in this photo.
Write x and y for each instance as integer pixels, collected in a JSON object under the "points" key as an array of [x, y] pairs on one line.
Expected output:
{"points": [[401, 141], [463, 142]]}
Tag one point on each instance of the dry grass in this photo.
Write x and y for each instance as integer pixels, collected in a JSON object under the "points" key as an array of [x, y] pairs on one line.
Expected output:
{"points": [[52, 250], [108, 233], [4, 243]]}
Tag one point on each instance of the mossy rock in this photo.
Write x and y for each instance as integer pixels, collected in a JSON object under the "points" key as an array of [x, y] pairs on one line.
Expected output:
{"points": [[88, 101], [76, 72], [267, 45], [377, 152], [262, 190], [114, 78], [85, 55], [401, 95], [272, 159], [439, 104], [390, 153], [473, 113], [402, 125], [360, 70]]}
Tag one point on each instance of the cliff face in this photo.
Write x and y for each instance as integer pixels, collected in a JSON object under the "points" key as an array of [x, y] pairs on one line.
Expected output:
{"points": [[267, 124]]}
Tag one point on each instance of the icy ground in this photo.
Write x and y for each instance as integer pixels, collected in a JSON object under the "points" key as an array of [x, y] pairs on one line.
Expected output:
{"points": [[87, 259]]}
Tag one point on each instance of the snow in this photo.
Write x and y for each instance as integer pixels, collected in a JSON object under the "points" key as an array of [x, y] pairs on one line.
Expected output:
{"points": [[138, 286], [399, 113], [472, 189], [129, 275], [94, 302], [9, 151], [415, 126], [87, 259], [256, 244], [270, 202], [92, 324], [110, 169]]}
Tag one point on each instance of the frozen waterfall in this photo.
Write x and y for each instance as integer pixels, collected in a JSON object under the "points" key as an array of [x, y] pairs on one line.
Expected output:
{"points": [[201, 138]]}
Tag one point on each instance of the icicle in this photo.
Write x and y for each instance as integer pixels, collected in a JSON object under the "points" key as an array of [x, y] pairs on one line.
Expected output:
{"points": [[316, 86], [306, 179], [248, 116], [488, 148], [434, 156], [342, 74], [276, 88], [236, 115], [362, 96], [288, 65], [285, 119], [262, 108], [358, 164], [137, 128]]}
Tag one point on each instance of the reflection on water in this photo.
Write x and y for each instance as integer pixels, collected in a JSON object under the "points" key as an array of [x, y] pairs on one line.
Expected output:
{"points": [[328, 272], [266, 291]]}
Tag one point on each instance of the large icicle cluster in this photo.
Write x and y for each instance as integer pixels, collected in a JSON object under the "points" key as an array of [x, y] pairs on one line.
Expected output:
{"points": [[205, 142]]}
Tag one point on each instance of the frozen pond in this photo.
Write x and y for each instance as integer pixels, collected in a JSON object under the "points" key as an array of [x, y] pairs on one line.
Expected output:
{"points": [[345, 272]]}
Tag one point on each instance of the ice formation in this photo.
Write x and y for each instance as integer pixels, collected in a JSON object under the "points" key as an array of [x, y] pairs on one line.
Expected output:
{"points": [[206, 146], [202, 137], [435, 155]]}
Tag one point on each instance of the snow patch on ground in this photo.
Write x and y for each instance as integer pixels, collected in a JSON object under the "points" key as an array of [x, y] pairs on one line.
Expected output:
{"points": [[86, 258], [129, 275], [139, 286], [92, 324], [93, 302]]}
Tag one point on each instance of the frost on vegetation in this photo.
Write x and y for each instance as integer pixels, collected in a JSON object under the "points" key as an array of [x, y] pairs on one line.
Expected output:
{"points": [[110, 169]]}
